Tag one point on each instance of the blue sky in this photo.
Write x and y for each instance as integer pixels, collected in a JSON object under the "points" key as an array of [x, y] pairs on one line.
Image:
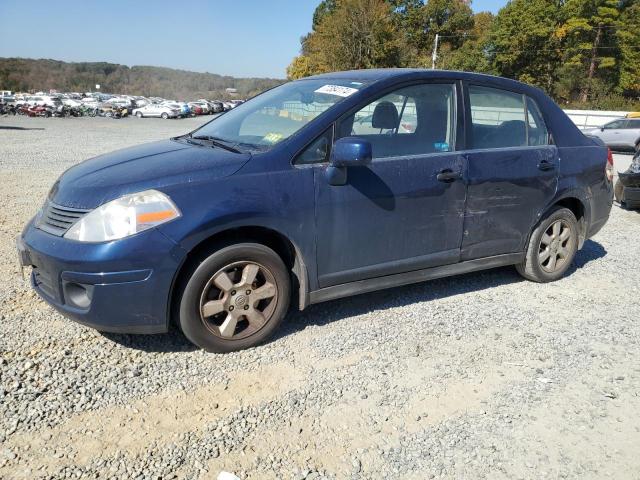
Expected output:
{"points": [[231, 37]]}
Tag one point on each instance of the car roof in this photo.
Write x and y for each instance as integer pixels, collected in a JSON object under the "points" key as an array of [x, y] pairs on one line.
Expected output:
{"points": [[375, 74]]}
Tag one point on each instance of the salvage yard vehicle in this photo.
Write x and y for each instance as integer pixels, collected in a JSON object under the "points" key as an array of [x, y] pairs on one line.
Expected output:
{"points": [[621, 134], [156, 110], [281, 200], [627, 189]]}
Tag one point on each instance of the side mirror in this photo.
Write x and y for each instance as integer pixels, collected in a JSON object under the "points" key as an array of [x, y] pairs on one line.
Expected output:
{"points": [[351, 152], [347, 152], [602, 129]]}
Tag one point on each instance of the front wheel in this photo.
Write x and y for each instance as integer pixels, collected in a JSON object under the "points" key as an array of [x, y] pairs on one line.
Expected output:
{"points": [[164, 116], [235, 298], [139, 114], [552, 247]]}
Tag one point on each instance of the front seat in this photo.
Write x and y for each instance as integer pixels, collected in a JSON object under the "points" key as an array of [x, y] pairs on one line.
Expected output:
{"points": [[385, 117]]}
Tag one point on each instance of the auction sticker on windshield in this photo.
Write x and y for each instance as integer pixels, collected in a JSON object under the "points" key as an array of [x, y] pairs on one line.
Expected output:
{"points": [[338, 90]]}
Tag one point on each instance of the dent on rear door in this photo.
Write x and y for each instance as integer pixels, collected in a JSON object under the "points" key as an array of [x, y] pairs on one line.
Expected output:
{"points": [[506, 192]]}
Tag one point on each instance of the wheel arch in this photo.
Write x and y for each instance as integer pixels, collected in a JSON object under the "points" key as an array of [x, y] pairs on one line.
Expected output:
{"points": [[278, 242], [579, 208]]}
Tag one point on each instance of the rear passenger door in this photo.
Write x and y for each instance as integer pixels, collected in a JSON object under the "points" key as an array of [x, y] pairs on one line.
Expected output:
{"points": [[512, 171]]}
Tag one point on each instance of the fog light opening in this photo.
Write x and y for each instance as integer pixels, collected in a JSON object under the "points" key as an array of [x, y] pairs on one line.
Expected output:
{"points": [[78, 295]]}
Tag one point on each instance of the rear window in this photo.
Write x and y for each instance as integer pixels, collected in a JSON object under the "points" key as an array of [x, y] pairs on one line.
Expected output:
{"points": [[501, 119]]}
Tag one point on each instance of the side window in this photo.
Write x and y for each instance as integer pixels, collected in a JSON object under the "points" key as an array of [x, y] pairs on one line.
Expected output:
{"points": [[633, 123], [414, 120], [615, 125], [497, 117], [318, 151], [538, 133]]}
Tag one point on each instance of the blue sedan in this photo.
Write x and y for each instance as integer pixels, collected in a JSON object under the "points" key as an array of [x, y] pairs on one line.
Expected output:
{"points": [[321, 188]]}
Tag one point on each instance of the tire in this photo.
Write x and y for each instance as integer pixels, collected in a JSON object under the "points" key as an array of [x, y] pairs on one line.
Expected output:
{"points": [[547, 239], [164, 116], [618, 190], [139, 114], [225, 327]]}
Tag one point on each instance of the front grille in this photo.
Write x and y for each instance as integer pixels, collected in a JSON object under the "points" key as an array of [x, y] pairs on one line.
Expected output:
{"points": [[57, 219], [44, 282]]}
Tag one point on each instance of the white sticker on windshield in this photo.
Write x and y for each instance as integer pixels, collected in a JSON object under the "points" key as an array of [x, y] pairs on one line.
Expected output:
{"points": [[338, 90]]}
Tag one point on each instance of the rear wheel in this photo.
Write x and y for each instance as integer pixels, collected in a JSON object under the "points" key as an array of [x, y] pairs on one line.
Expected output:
{"points": [[139, 114], [235, 298], [552, 247]]}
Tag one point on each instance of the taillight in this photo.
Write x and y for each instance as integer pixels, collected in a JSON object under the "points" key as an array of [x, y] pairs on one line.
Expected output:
{"points": [[609, 168]]}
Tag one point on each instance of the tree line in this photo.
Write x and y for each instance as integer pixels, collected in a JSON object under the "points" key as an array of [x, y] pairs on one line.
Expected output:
{"points": [[584, 53], [24, 75]]}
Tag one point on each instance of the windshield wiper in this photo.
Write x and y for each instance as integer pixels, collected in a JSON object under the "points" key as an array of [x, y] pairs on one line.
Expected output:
{"points": [[218, 142]]}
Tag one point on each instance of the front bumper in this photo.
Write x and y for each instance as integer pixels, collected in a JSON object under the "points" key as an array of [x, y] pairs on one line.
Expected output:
{"points": [[121, 286]]}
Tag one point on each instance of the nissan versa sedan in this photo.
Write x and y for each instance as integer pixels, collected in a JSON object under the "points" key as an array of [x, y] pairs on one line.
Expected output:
{"points": [[287, 199]]}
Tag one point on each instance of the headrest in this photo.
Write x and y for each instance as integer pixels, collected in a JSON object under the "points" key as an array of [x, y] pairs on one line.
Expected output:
{"points": [[385, 116]]}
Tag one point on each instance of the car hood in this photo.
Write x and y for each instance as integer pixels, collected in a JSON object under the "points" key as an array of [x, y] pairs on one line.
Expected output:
{"points": [[152, 165]]}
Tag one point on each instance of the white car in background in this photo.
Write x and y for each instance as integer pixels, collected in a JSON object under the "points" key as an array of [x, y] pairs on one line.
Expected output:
{"points": [[43, 101], [70, 102], [622, 134], [156, 110]]}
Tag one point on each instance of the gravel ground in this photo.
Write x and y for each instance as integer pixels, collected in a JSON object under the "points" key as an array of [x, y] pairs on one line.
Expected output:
{"points": [[477, 376]]}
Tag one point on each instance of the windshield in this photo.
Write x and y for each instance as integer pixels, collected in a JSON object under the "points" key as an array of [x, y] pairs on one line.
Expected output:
{"points": [[270, 118]]}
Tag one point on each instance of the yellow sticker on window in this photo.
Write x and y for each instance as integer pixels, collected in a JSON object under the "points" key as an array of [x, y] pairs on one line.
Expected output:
{"points": [[273, 137]]}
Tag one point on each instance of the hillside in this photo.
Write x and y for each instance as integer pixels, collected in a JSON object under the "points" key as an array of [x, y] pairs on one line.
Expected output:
{"points": [[21, 74]]}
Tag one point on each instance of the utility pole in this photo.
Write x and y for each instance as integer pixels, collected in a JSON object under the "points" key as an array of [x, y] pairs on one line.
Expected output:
{"points": [[434, 57]]}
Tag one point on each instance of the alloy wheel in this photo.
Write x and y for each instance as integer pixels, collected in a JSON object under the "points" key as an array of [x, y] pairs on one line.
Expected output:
{"points": [[555, 246], [238, 300]]}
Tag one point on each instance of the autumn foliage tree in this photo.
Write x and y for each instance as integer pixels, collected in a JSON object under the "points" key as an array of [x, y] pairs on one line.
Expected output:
{"points": [[583, 52]]}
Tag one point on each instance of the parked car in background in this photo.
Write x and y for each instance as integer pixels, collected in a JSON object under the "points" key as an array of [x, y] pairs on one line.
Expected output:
{"points": [[217, 107], [156, 110], [44, 100], [70, 102], [621, 134], [627, 189], [183, 108], [204, 107], [196, 109], [220, 229], [633, 115], [93, 101], [121, 102]]}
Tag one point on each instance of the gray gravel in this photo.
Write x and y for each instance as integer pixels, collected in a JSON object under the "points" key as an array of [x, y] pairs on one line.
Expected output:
{"points": [[477, 376]]}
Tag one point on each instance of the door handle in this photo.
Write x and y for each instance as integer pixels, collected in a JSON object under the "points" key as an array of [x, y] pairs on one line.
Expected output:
{"points": [[447, 175], [546, 165]]}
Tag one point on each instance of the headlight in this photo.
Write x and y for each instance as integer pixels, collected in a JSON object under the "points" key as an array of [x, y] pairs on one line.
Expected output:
{"points": [[124, 216]]}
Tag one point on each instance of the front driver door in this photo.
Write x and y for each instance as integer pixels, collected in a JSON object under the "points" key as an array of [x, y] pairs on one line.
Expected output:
{"points": [[394, 215]]}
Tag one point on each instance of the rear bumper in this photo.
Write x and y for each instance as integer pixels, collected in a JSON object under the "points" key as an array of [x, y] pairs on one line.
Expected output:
{"points": [[599, 207], [631, 197], [629, 179], [121, 286]]}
